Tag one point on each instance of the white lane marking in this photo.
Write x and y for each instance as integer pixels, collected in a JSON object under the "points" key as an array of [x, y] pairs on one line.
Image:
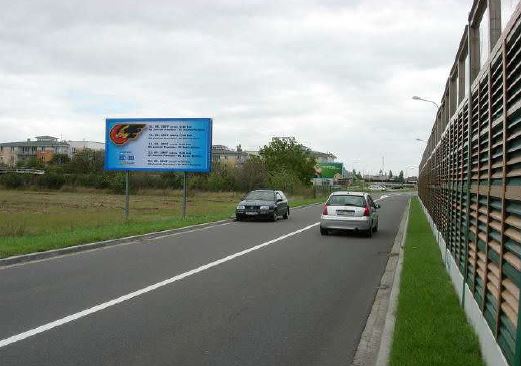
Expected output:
{"points": [[70, 318], [189, 231]]}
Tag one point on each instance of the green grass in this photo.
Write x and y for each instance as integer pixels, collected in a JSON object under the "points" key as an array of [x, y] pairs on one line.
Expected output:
{"points": [[37, 221], [431, 327]]}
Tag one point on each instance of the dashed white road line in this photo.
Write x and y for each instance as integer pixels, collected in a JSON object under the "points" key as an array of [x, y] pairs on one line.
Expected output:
{"points": [[81, 314]]}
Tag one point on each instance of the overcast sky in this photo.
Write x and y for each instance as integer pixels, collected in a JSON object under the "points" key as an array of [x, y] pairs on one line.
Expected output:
{"points": [[338, 75]]}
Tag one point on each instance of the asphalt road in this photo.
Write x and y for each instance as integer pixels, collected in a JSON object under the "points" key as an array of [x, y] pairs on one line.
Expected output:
{"points": [[241, 293]]}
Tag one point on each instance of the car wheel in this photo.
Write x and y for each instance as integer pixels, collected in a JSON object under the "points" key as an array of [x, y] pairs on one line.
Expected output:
{"points": [[238, 218], [286, 215], [323, 231], [274, 216]]}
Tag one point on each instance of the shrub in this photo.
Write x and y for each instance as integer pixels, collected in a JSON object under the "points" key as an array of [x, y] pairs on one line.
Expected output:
{"points": [[284, 180], [11, 180], [51, 181], [117, 183]]}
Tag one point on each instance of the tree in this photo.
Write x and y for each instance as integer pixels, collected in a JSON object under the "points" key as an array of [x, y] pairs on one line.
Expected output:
{"points": [[252, 174], [60, 159], [289, 157], [400, 176], [390, 174], [32, 162], [220, 178], [86, 161]]}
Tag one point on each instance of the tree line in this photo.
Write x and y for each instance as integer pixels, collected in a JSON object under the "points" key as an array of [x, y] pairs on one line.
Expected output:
{"points": [[283, 164]]}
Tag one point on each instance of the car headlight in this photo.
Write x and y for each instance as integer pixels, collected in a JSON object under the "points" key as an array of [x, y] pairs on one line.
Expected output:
{"points": [[240, 207], [265, 208]]}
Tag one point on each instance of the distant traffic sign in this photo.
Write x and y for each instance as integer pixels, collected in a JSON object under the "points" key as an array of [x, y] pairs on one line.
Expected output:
{"points": [[329, 170], [159, 144]]}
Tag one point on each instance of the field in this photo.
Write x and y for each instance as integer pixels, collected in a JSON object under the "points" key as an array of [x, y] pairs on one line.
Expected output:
{"points": [[33, 221]]}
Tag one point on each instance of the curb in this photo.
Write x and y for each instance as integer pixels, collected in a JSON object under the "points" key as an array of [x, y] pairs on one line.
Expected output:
{"points": [[387, 336], [32, 257], [375, 343]]}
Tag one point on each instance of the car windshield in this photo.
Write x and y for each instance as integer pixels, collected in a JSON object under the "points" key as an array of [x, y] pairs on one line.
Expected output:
{"points": [[346, 200], [261, 196]]}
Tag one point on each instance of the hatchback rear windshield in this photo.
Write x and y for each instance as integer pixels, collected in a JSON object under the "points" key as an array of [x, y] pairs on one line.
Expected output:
{"points": [[357, 201], [261, 196]]}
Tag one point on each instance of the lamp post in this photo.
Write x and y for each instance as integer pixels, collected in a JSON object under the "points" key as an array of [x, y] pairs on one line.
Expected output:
{"points": [[415, 97], [409, 167]]}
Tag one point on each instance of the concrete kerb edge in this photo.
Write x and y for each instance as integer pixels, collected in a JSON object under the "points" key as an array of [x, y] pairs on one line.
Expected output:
{"points": [[387, 336], [32, 257], [376, 340]]}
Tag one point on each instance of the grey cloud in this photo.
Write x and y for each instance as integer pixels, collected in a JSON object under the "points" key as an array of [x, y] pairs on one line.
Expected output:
{"points": [[336, 74]]}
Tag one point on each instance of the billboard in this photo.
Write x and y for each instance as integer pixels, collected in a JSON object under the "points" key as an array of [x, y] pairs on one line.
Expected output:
{"points": [[329, 170], [159, 144]]}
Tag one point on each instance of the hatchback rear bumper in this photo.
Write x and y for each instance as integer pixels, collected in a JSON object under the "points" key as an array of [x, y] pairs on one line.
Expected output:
{"points": [[345, 223]]}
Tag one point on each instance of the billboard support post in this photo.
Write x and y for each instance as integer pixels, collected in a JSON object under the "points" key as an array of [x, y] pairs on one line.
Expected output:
{"points": [[184, 194], [127, 198]]}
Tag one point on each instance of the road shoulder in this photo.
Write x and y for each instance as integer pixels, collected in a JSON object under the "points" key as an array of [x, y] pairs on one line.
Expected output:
{"points": [[375, 342]]}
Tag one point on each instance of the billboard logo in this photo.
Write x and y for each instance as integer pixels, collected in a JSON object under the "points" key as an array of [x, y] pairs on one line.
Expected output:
{"points": [[121, 133]]}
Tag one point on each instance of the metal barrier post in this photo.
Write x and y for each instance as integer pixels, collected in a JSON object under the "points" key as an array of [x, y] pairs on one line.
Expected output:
{"points": [[184, 194], [127, 198]]}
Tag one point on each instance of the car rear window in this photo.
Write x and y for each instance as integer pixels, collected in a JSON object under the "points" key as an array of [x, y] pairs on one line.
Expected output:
{"points": [[346, 200], [261, 196]]}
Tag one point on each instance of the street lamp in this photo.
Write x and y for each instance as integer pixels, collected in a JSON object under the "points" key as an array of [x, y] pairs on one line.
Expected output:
{"points": [[409, 167], [425, 100]]}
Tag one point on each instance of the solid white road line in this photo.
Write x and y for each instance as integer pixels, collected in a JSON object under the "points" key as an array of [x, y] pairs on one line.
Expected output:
{"points": [[70, 318], [189, 231]]}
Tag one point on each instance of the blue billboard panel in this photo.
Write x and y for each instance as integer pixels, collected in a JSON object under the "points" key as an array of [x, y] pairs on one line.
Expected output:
{"points": [[159, 144]]}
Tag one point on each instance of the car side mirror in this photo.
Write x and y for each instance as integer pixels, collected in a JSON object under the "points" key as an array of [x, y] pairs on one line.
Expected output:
{"points": [[279, 200]]}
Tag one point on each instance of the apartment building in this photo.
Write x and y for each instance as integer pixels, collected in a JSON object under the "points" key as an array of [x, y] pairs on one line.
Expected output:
{"points": [[43, 148], [224, 155], [77, 146]]}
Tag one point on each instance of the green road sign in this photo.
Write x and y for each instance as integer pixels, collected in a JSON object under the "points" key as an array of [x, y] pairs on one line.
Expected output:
{"points": [[329, 170]]}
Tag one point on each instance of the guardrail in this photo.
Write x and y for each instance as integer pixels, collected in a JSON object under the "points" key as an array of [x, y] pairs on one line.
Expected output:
{"points": [[470, 184], [22, 171]]}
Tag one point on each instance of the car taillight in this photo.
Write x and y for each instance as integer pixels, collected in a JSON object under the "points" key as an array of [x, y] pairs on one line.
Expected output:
{"points": [[324, 211], [366, 211]]}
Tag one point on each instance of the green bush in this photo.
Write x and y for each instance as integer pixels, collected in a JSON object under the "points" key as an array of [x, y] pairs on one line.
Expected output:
{"points": [[117, 183], [51, 181], [101, 181], [284, 180], [172, 180], [11, 180]]}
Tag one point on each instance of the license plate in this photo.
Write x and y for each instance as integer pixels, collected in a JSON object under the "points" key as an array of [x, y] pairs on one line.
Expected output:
{"points": [[345, 213], [252, 213]]}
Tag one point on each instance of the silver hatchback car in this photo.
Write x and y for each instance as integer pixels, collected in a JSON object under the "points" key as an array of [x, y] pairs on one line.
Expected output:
{"points": [[355, 211]]}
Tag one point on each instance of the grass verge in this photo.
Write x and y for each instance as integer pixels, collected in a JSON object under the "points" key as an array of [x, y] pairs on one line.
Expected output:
{"points": [[39, 221], [431, 327]]}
